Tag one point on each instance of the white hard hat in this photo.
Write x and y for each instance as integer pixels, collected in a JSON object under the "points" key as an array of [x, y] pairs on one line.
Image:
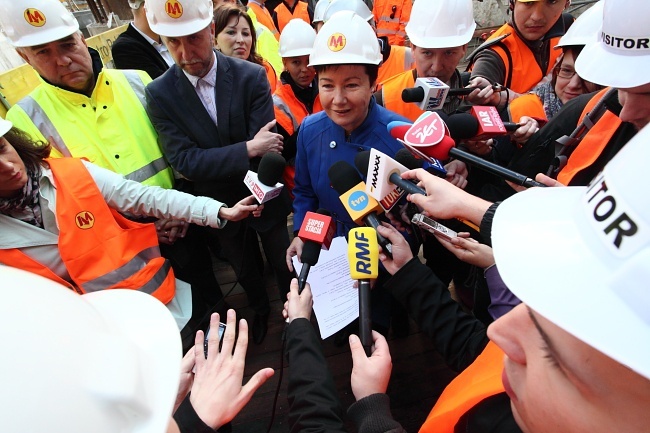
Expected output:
{"points": [[622, 52], [591, 249], [36, 22], [5, 126], [585, 29], [441, 23], [356, 6], [176, 18], [102, 362], [345, 38], [319, 10], [297, 39]]}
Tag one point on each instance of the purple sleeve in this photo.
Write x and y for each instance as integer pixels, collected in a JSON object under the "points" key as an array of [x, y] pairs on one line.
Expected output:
{"points": [[502, 299]]}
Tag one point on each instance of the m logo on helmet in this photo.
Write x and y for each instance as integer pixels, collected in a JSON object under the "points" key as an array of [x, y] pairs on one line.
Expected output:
{"points": [[173, 8], [84, 220], [336, 42], [34, 17]]}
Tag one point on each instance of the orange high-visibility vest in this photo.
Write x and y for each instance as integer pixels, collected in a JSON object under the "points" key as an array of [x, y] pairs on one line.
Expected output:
{"points": [[593, 143], [522, 70], [100, 248], [264, 18], [400, 60], [527, 105], [289, 113], [284, 14], [391, 93], [391, 17], [271, 75], [477, 382]]}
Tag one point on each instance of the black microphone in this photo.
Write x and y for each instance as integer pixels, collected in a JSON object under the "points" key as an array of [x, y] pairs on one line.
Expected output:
{"points": [[361, 207]]}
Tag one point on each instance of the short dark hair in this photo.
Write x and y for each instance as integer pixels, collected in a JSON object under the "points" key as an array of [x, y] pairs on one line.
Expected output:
{"points": [[371, 70], [31, 152]]}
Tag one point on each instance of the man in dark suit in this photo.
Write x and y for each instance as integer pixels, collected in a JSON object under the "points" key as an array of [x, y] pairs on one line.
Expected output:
{"points": [[139, 47], [214, 117]]}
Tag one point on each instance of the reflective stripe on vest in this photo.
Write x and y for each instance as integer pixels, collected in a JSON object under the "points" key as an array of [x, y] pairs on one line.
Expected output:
{"points": [[289, 110], [38, 116], [149, 170], [593, 143], [135, 81], [482, 379], [89, 229], [280, 105]]}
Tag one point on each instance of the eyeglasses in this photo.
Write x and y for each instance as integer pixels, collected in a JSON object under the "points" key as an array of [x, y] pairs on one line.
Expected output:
{"points": [[565, 73]]}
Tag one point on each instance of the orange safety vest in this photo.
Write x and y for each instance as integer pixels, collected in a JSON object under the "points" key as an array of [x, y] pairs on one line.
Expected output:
{"points": [[264, 18], [289, 113], [391, 93], [477, 382], [527, 105], [400, 60], [522, 70], [593, 143], [100, 248], [284, 14], [391, 17], [271, 75]]}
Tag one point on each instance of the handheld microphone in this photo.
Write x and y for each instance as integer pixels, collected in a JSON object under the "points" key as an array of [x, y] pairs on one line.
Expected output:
{"points": [[481, 123], [430, 93], [410, 161], [385, 176], [386, 194], [318, 227], [264, 184], [352, 193], [363, 256]]}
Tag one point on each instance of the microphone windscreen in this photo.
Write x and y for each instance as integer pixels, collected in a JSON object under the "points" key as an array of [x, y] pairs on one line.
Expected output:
{"points": [[462, 126], [271, 168], [361, 161], [310, 253], [343, 177], [441, 150], [413, 94], [398, 128], [407, 159]]}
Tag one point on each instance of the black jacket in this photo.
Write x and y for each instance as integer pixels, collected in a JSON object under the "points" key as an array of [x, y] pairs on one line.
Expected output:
{"points": [[132, 51]]}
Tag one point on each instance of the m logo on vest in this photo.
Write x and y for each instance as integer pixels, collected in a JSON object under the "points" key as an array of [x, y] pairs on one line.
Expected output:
{"points": [[173, 8], [336, 42], [34, 17], [85, 220]]}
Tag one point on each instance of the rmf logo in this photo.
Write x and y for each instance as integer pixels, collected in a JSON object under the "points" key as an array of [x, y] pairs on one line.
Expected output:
{"points": [[336, 42], [34, 17], [84, 220], [358, 201], [173, 8]]}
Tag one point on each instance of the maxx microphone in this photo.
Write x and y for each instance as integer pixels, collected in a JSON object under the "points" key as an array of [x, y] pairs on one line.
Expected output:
{"points": [[382, 169], [316, 231], [265, 183], [361, 207], [363, 256]]}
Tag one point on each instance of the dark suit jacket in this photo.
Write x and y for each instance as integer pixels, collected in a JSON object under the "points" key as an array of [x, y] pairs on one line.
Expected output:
{"points": [[132, 51], [214, 157]]}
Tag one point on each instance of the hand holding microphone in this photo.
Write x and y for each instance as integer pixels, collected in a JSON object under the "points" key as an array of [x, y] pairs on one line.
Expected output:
{"points": [[363, 257]]}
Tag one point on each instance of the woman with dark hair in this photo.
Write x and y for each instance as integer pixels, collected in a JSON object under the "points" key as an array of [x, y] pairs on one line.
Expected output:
{"points": [[235, 37], [61, 218]]}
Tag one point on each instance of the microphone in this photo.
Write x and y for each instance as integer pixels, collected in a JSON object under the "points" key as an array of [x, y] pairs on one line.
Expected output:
{"points": [[482, 123], [361, 207], [317, 231], [264, 184], [363, 256], [430, 93], [385, 176], [387, 195], [410, 161]]}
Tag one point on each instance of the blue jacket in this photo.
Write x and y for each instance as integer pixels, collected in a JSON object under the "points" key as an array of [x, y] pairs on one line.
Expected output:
{"points": [[320, 144]]}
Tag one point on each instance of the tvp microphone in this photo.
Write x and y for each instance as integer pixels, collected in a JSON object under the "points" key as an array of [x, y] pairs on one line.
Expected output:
{"points": [[363, 255], [352, 193], [264, 184]]}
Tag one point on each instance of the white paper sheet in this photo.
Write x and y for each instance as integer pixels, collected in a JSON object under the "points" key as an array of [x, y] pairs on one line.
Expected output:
{"points": [[336, 301]]}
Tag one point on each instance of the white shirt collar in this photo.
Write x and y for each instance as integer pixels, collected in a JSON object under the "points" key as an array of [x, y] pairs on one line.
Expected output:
{"points": [[210, 77]]}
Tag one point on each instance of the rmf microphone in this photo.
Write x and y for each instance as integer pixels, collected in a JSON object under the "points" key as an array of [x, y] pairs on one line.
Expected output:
{"points": [[363, 256], [316, 231], [361, 207], [264, 184]]}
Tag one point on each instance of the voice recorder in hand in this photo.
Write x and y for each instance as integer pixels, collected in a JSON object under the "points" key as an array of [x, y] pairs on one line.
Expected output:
{"points": [[433, 227]]}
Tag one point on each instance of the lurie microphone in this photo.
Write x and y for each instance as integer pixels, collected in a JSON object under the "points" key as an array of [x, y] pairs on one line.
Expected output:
{"points": [[361, 207], [363, 256], [316, 231], [264, 184]]}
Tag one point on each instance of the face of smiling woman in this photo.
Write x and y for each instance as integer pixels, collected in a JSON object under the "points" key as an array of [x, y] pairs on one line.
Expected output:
{"points": [[345, 92]]}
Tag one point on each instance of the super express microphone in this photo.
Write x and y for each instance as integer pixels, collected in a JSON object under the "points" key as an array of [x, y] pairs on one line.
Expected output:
{"points": [[361, 207], [264, 184], [316, 231], [363, 256]]}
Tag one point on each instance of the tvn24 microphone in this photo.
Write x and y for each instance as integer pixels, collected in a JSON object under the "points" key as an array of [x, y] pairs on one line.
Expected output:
{"points": [[316, 231], [361, 207], [363, 256], [264, 184]]}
